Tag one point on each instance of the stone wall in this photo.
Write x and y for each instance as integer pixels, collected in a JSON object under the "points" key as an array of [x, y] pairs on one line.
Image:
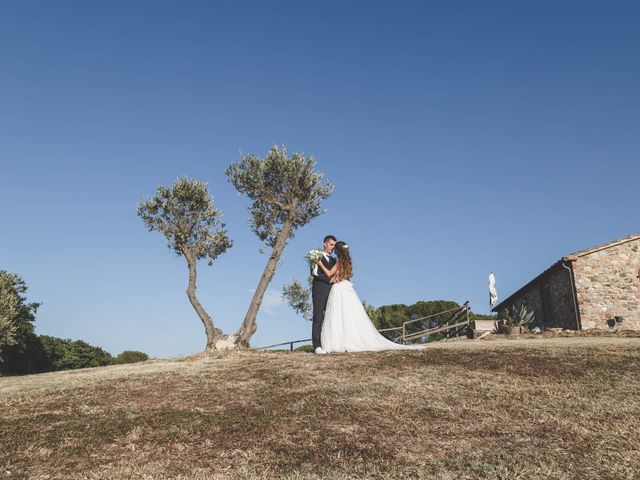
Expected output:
{"points": [[553, 309], [607, 285]]}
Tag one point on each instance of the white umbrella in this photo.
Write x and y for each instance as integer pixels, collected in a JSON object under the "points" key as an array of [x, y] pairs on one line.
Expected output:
{"points": [[493, 293]]}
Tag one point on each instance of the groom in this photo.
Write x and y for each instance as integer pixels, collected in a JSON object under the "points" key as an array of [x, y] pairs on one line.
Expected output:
{"points": [[320, 292]]}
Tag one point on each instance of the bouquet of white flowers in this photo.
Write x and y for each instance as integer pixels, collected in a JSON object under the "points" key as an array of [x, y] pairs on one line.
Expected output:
{"points": [[314, 256]]}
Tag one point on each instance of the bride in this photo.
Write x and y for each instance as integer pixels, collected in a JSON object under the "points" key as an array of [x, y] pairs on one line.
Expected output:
{"points": [[346, 326]]}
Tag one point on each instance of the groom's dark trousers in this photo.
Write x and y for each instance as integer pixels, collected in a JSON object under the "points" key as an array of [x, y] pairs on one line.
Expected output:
{"points": [[320, 294]]}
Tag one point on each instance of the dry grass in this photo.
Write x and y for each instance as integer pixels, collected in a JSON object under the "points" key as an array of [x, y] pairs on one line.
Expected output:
{"points": [[526, 409]]}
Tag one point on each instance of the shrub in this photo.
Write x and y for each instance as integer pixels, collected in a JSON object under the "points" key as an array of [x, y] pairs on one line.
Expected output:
{"points": [[130, 356]]}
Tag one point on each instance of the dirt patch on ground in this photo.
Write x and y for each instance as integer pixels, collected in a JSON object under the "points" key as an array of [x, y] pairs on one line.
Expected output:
{"points": [[558, 408]]}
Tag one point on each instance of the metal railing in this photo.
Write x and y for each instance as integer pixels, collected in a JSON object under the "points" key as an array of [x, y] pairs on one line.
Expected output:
{"points": [[459, 319], [285, 343]]}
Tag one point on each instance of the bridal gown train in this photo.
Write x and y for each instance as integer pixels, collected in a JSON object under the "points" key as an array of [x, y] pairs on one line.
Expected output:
{"points": [[347, 327]]}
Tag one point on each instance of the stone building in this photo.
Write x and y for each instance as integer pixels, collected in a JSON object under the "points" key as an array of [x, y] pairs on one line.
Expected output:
{"points": [[594, 288]]}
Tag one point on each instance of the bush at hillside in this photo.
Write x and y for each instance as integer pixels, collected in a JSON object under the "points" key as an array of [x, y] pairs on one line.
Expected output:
{"points": [[130, 356]]}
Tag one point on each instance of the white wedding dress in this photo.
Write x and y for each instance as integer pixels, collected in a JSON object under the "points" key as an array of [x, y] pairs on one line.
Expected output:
{"points": [[347, 327]]}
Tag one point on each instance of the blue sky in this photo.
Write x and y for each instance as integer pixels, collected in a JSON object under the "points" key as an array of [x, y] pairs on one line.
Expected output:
{"points": [[462, 138]]}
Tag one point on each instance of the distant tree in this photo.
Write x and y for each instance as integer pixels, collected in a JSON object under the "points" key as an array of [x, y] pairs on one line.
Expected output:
{"points": [[55, 349], [396, 315], [286, 193], [374, 314], [79, 354], [27, 356], [21, 350], [393, 315], [481, 316], [130, 356], [185, 215], [423, 309], [65, 354]]}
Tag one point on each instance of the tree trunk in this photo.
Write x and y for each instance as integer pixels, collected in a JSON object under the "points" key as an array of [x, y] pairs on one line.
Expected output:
{"points": [[215, 337], [248, 327]]}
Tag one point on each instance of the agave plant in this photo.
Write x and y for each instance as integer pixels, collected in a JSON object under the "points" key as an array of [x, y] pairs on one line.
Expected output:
{"points": [[523, 316]]}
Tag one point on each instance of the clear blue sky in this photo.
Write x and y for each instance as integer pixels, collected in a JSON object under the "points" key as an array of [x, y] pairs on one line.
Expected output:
{"points": [[462, 138]]}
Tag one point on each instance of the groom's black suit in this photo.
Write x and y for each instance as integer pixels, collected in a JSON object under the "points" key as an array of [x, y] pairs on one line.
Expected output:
{"points": [[320, 293]]}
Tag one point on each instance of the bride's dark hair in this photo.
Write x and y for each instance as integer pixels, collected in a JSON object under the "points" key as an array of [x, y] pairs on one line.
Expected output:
{"points": [[345, 267]]}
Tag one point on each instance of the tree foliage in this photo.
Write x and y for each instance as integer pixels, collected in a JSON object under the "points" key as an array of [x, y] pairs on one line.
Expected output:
{"points": [[9, 305], [80, 354], [26, 356], [281, 189], [16, 315], [185, 215], [55, 349], [66, 354], [299, 298]]}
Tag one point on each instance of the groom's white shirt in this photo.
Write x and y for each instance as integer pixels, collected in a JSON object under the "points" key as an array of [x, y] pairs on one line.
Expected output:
{"points": [[314, 272]]}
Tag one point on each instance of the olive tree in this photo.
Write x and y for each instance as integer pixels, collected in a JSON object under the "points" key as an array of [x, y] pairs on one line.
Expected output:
{"points": [[299, 298], [185, 215], [285, 193]]}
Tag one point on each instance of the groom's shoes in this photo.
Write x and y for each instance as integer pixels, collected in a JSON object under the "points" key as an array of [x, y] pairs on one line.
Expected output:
{"points": [[319, 351]]}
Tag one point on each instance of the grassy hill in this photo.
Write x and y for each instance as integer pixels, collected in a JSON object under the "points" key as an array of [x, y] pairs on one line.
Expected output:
{"points": [[528, 409]]}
